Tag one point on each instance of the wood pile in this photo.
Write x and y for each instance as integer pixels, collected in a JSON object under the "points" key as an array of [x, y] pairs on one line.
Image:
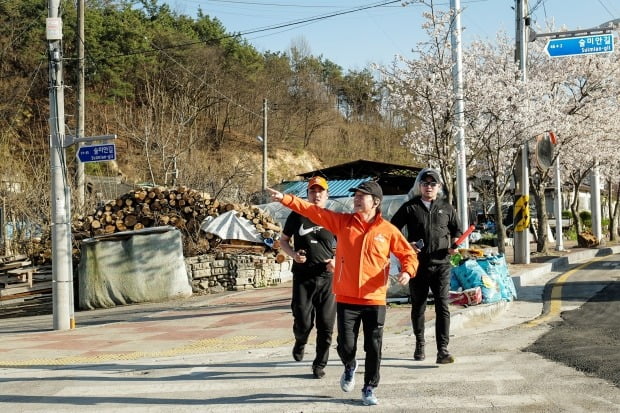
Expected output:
{"points": [[182, 208], [24, 288], [39, 251], [26, 280]]}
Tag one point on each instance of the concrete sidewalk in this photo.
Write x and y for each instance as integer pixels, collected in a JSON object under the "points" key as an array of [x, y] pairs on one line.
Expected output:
{"points": [[240, 321]]}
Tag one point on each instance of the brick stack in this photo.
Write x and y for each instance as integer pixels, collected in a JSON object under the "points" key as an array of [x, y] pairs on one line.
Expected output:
{"points": [[212, 273]]}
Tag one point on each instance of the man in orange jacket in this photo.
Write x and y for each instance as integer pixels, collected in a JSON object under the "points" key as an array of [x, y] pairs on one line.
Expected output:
{"points": [[361, 275], [312, 300]]}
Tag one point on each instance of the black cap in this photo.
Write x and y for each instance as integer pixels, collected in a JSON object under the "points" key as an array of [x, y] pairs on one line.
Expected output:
{"points": [[430, 173], [369, 187]]}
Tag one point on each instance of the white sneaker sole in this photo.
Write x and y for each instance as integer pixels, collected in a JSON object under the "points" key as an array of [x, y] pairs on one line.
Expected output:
{"points": [[348, 386]]}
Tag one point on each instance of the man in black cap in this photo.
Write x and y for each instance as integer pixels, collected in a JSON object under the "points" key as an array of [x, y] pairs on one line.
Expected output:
{"points": [[365, 241], [432, 227]]}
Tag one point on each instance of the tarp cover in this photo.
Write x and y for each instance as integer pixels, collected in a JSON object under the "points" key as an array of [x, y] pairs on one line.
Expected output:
{"points": [[230, 225], [132, 267]]}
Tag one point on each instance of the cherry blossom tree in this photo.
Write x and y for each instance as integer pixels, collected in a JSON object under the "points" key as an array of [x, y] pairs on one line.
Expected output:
{"points": [[583, 91], [574, 97], [420, 89], [497, 121], [502, 113]]}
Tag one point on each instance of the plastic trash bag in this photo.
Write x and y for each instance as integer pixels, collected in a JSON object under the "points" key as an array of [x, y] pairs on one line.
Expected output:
{"points": [[496, 267]]}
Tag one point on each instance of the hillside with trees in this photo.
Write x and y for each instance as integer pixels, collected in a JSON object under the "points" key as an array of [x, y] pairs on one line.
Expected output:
{"points": [[180, 93], [185, 98]]}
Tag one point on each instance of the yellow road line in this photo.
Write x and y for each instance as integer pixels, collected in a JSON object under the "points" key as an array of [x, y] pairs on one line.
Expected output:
{"points": [[555, 306]]}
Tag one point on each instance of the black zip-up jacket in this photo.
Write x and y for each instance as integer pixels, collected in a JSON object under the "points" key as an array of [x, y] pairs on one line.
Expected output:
{"points": [[436, 227]]}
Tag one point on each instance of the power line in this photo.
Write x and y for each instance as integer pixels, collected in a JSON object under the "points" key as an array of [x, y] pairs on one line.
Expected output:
{"points": [[320, 17], [285, 25], [271, 4], [537, 5], [262, 29], [606, 9], [34, 76]]}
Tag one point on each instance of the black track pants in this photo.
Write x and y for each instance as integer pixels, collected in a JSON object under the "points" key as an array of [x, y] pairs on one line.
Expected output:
{"points": [[313, 300], [372, 319], [437, 278]]}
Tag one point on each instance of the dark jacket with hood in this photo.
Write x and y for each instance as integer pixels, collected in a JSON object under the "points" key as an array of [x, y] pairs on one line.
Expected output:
{"points": [[437, 227]]}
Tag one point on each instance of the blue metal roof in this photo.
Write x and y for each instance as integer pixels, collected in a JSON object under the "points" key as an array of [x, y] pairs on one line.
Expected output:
{"points": [[338, 188]]}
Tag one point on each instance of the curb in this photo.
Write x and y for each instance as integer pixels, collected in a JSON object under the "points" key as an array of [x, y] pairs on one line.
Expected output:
{"points": [[479, 312], [524, 277]]}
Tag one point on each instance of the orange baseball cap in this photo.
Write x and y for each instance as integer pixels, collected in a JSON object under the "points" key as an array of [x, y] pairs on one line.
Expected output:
{"points": [[318, 180]]}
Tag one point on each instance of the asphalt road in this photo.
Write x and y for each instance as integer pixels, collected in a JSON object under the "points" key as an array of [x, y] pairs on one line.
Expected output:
{"points": [[214, 369], [587, 338]]}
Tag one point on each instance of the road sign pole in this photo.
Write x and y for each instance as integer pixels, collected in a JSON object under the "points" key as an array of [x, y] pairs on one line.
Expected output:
{"points": [[79, 130], [459, 118], [571, 43]]}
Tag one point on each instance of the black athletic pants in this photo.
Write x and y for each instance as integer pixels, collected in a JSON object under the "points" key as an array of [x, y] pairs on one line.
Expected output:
{"points": [[372, 318], [437, 278], [313, 300]]}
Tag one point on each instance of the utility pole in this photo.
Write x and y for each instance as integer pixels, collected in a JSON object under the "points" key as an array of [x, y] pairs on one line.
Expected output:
{"points": [[79, 133], [264, 145], [559, 241], [595, 200], [457, 82], [522, 188], [62, 267]]}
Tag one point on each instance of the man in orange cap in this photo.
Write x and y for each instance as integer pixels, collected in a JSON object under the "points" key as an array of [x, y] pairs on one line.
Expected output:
{"points": [[313, 300]]}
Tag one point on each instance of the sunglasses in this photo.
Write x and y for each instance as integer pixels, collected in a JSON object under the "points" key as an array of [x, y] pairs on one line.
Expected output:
{"points": [[431, 184]]}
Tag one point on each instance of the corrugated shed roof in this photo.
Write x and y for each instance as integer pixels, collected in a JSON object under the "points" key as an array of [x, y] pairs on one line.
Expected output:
{"points": [[338, 188]]}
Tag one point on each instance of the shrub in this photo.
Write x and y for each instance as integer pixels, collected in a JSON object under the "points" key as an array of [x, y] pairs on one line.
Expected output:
{"points": [[570, 234], [586, 218], [605, 224], [488, 239]]}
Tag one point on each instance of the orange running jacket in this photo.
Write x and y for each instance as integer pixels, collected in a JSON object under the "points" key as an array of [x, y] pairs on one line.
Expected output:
{"points": [[362, 252]]}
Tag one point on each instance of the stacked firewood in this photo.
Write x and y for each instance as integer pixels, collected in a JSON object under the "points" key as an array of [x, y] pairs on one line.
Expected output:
{"points": [[182, 208]]}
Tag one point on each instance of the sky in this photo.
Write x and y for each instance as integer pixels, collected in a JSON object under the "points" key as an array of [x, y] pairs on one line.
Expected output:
{"points": [[375, 35]]}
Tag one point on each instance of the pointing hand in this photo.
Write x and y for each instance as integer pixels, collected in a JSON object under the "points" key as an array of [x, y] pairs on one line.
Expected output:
{"points": [[276, 196]]}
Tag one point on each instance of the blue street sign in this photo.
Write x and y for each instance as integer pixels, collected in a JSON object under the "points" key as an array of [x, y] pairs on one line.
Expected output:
{"points": [[580, 45], [97, 153]]}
